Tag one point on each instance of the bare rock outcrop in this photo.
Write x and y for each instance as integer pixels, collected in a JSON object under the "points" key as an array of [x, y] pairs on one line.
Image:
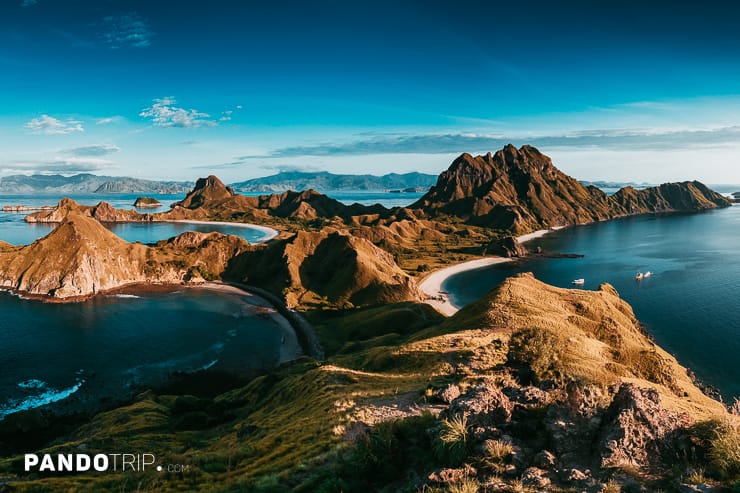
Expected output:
{"points": [[484, 405], [636, 426], [508, 246]]}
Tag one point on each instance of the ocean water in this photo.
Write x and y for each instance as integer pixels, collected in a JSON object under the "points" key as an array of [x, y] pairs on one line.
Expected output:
{"points": [[691, 303], [111, 347], [14, 230]]}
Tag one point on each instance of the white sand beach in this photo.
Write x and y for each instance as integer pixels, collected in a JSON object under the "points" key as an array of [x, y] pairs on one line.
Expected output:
{"points": [[537, 234], [431, 285], [270, 233]]}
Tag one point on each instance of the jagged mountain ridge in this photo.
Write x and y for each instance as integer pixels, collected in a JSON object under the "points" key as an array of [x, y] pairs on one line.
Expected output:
{"points": [[81, 257], [87, 183], [211, 197], [520, 190], [323, 180]]}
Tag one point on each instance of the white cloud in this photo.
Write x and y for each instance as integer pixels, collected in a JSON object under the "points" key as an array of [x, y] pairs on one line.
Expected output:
{"points": [[48, 125], [129, 30], [93, 150], [164, 113], [60, 165]]}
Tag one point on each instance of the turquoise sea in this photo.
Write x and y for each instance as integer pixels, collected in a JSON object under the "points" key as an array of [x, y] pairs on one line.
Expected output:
{"points": [[691, 303]]}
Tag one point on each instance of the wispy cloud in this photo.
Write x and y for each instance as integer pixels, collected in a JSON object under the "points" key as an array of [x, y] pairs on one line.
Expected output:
{"points": [[48, 125], [235, 163], [450, 143], [93, 150], [164, 113], [129, 30], [59, 165], [108, 120], [28, 3], [288, 168], [241, 161]]}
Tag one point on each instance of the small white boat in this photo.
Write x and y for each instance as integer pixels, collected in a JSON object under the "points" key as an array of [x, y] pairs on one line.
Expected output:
{"points": [[578, 281], [647, 274], [639, 276]]}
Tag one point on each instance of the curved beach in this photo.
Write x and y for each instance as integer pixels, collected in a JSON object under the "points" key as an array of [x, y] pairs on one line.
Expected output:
{"points": [[270, 233], [431, 285]]}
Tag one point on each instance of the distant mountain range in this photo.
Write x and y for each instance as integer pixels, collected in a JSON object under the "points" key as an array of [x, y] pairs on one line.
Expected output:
{"points": [[614, 184], [88, 183], [325, 181]]}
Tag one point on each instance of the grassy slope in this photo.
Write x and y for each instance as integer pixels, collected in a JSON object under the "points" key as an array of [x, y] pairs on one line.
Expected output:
{"points": [[284, 429]]}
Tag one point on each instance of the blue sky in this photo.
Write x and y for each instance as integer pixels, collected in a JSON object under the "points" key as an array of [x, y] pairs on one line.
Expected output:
{"points": [[242, 89]]}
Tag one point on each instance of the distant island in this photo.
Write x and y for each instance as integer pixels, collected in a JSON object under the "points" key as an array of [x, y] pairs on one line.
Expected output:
{"points": [[323, 181], [87, 183], [147, 203]]}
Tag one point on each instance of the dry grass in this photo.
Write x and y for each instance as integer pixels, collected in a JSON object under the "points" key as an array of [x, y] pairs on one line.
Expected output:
{"points": [[695, 476], [497, 453], [498, 450], [734, 408], [724, 453], [611, 486], [467, 485], [585, 337], [517, 486]]}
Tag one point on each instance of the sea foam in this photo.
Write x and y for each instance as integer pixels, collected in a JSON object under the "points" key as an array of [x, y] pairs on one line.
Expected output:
{"points": [[34, 401]]}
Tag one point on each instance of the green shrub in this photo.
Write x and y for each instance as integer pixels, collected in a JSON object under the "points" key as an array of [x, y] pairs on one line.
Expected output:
{"points": [[453, 439], [387, 453], [541, 350]]}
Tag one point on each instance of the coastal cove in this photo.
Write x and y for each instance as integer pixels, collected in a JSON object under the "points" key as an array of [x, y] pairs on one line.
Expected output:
{"points": [[84, 356], [14, 230], [690, 303]]}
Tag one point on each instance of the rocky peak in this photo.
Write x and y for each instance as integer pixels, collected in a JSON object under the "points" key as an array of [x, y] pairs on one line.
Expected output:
{"points": [[206, 190], [65, 207], [520, 190]]}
